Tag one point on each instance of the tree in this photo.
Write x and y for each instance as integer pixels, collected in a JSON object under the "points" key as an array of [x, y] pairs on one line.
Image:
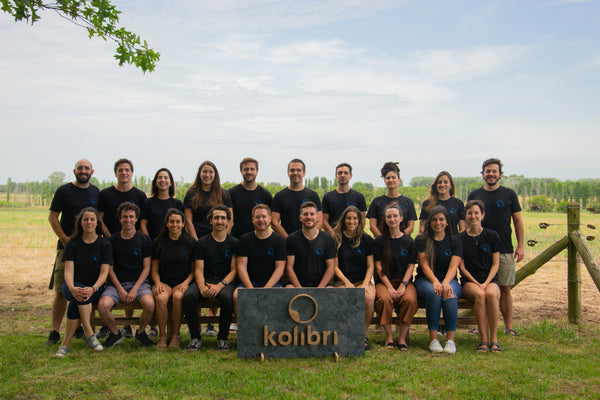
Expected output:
{"points": [[9, 185], [100, 18]]}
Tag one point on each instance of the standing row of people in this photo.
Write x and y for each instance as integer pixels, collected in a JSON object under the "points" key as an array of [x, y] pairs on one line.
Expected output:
{"points": [[206, 193]]}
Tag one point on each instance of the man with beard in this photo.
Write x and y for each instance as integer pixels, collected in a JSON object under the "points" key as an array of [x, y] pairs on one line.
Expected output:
{"points": [[502, 206], [245, 196], [336, 201], [68, 200]]}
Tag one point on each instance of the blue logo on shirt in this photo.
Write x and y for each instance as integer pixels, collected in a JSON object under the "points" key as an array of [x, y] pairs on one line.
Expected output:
{"points": [[184, 252], [452, 210], [448, 252], [270, 251], [360, 250], [349, 203], [500, 203], [93, 200], [227, 253], [486, 248], [403, 208], [137, 252], [257, 202], [305, 200], [404, 252], [96, 257], [319, 251]]}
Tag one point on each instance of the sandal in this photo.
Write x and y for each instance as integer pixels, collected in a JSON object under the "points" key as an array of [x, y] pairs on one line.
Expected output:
{"points": [[495, 347], [482, 347], [511, 332], [402, 347], [390, 346], [474, 331]]}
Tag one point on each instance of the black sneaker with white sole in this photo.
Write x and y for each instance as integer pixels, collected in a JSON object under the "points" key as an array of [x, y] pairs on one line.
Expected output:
{"points": [[53, 338], [113, 340], [127, 331], [143, 339]]}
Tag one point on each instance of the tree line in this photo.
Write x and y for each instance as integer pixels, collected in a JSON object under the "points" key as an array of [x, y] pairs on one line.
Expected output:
{"points": [[544, 194]]}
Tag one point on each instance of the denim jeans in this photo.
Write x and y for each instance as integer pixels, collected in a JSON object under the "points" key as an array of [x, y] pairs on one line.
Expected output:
{"points": [[434, 304]]}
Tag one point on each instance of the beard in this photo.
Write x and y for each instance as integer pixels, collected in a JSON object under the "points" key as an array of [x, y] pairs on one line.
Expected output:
{"points": [[82, 178]]}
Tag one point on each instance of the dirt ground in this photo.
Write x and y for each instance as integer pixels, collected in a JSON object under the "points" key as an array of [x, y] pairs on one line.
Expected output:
{"points": [[540, 296]]}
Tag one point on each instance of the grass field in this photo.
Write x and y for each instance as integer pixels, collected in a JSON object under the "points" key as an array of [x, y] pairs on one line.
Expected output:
{"points": [[550, 360]]}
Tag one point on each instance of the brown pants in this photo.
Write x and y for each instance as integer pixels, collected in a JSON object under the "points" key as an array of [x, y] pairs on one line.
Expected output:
{"points": [[406, 305]]}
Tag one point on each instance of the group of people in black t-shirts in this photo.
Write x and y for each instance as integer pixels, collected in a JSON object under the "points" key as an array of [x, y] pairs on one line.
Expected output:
{"points": [[161, 252]]}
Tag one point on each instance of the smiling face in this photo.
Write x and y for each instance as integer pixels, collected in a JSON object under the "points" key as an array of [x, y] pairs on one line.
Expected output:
{"points": [[491, 174], [438, 223], [308, 217], [163, 181], [391, 180], [83, 171], [207, 175], [443, 186], [219, 220], [296, 173], [343, 175], [393, 218], [261, 219], [89, 222], [123, 173], [249, 172], [128, 220], [351, 221], [175, 224], [474, 216]]}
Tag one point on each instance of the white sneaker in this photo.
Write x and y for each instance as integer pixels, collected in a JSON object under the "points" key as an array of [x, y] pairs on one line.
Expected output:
{"points": [[62, 351], [435, 346], [93, 343], [450, 347]]}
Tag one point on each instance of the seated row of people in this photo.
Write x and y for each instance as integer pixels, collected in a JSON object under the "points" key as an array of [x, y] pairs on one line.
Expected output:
{"points": [[189, 271]]}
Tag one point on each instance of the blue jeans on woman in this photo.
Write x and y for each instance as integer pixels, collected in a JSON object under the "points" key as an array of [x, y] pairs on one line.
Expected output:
{"points": [[72, 310], [434, 304]]}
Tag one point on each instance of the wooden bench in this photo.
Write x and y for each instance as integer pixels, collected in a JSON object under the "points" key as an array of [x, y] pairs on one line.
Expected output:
{"points": [[465, 318]]}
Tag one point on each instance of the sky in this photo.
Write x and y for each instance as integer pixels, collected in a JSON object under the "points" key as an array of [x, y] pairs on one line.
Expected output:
{"points": [[434, 85]]}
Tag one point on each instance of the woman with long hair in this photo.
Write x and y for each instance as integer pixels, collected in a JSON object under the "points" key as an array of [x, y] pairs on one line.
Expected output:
{"points": [[441, 193], [395, 261], [355, 264], [87, 259], [391, 175], [172, 273], [481, 259], [204, 194], [161, 199], [439, 254]]}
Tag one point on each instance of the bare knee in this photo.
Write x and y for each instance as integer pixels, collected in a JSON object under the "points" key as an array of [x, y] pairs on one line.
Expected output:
{"points": [[105, 304]]}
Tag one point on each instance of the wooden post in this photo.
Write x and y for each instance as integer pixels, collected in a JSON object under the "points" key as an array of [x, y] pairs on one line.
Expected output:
{"points": [[586, 255], [574, 272]]}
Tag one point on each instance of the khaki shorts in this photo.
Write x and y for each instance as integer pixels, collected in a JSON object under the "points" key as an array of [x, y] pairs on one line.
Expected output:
{"points": [[506, 271], [58, 274]]}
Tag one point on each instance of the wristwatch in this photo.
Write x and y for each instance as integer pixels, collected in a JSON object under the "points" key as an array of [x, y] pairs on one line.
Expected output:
{"points": [[224, 282]]}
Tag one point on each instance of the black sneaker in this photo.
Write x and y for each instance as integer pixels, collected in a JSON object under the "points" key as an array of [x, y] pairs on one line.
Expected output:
{"points": [[53, 338], [222, 345], [79, 332], [113, 340], [210, 330], [103, 332], [127, 332], [143, 339]]}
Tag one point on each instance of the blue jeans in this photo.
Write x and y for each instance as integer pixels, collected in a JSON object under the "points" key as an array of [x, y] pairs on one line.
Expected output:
{"points": [[72, 310], [434, 304]]}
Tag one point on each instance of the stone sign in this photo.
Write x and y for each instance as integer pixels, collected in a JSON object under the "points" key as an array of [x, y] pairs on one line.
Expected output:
{"points": [[307, 322]]}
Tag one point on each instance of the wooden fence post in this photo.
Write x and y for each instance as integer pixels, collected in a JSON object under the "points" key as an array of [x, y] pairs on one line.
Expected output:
{"points": [[574, 272]]}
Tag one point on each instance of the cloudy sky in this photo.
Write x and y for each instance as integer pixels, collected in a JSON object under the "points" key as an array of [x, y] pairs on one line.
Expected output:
{"points": [[432, 84]]}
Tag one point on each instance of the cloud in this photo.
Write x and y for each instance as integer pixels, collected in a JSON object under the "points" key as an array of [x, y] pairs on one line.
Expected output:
{"points": [[199, 108]]}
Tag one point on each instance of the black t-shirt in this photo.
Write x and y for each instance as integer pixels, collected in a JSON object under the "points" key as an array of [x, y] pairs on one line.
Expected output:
{"points": [[87, 258], [287, 203], [455, 207], [478, 253], [262, 254], [155, 210], [68, 201], [443, 251], [403, 253], [500, 205], [174, 266], [129, 254], [243, 201], [200, 219], [216, 255], [111, 199], [378, 205], [310, 256], [335, 203], [352, 261]]}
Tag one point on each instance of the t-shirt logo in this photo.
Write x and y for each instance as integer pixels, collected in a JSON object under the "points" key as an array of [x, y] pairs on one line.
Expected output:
{"points": [[96, 257], [270, 251], [500, 203], [319, 251], [184, 252], [93, 200], [305, 200], [228, 253], [486, 248], [448, 252], [257, 202], [349, 203], [137, 252], [403, 208], [404, 252], [452, 210], [360, 250]]}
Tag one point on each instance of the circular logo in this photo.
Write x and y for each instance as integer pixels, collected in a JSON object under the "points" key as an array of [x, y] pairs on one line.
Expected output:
{"points": [[452, 210], [93, 201], [227, 253], [184, 252], [448, 252], [404, 252], [319, 251], [349, 203], [302, 301], [486, 248], [500, 203], [270, 251], [257, 202], [137, 252], [305, 200], [403, 208], [360, 250], [96, 257]]}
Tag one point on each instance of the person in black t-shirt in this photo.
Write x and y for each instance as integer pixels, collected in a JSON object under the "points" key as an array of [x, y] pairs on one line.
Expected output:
{"points": [[245, 196], [442, 192], [502, 206], [68, 201], [132, 251], [286, 203], [160, 200], [336, 201], [481, 258], [355, 264], [391, 175], [214, 273], [439, 254], [204, 194], [311, 252], [87, 258], [395, 261], [172, 273], [113, 196]]}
